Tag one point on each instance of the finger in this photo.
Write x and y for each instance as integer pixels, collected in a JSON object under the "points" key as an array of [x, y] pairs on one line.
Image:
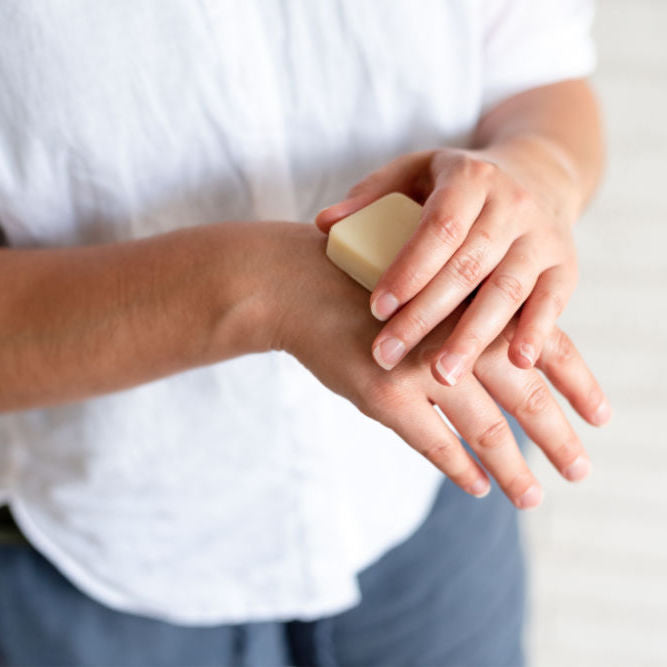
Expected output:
{"points": [[426, 432], [481, 252], [539, 314], [479, 421], [399, 175], [448, 215], [525, 395], [563, 365], [484, 319]]}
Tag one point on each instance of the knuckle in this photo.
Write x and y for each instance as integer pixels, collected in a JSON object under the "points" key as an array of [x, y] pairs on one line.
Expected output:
{"points": [[447, 229], [378, 397], [528, 255], [567, 451], [521, 199], [474, 168], [382, 395], [409, 282], [413, 325], [462, 163], [563, 348], [442, 454], [483, 233], [531, 335], [535, 400], [494, 436], [467, 268], [473, 341], [483, 169], [557, 300], [509, 286], [551, 296]]}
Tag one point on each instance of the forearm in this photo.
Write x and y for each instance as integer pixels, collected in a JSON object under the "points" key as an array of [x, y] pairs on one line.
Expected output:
{"points": [[551, 137], [77, 322]]}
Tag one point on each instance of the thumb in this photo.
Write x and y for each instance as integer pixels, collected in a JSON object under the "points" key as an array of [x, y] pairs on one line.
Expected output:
{"points": [[399, 175]]}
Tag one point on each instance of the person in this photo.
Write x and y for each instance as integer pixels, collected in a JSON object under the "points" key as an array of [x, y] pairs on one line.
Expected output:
{"points": [[214, 450]]}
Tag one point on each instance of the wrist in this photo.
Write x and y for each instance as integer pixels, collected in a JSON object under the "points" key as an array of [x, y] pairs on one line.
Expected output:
{"points": [[260, 286], [294, 268], [236, 293], [545, 169]]}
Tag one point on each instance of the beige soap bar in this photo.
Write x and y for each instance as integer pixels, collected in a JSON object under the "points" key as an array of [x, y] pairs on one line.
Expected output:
{"points": [[365, 243]]}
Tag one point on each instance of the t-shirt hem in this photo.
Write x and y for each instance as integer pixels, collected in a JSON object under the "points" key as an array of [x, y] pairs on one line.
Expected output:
{"points": [[105, 595]]}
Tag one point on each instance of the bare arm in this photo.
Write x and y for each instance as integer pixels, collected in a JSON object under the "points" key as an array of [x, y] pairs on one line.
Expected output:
{"points": [[81, 321], [84, 321]]}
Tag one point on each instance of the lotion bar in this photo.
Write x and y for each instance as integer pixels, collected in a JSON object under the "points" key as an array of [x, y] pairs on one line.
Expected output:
{"points": [[366, 242]]}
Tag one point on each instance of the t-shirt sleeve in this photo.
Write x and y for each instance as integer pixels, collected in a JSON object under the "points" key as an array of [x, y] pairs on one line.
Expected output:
{"points": [[530, 43]]}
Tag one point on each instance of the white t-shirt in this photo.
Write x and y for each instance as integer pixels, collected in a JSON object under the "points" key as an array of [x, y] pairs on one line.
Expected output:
{"points": [[245, 490]]}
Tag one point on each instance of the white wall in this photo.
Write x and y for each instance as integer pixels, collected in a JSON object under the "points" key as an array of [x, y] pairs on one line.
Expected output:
{"points": [[600, 549]]}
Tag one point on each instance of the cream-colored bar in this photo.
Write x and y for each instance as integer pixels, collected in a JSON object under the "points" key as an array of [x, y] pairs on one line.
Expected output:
{"points": [[365, 243]]}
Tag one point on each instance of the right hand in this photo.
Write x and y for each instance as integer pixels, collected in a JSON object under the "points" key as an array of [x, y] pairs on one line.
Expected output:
{"points": [[321, 316]]}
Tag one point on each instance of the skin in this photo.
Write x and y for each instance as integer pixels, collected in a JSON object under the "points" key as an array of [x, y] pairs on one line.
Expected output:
{"points": [[80, 322], [497, 221]]}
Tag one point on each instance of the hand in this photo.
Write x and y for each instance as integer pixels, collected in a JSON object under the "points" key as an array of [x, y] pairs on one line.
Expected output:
{"points": [[489, 219], [320, 316]]}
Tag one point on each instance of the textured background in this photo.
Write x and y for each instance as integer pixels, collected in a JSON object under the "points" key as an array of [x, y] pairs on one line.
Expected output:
{"points": [[599, 567]]}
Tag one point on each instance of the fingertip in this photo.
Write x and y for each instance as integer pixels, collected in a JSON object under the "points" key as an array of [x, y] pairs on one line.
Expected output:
{"points": [[383, 305], [602, 414], [527, 352], [480, 488], [530, 499], [578, 470], [329, 216], [448, 369], [325, 219], [518, 359], [388, 351]]}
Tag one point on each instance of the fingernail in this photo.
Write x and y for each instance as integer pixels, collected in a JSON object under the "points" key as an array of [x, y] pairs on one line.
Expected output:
{"points": [[389, 352], [603, 414], [527, 352], [384, 306], [531, 498], [450, 367], [480, 488], [578, 469]]}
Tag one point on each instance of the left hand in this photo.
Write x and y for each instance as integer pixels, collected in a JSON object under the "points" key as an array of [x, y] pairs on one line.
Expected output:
{"points": [[310, 309], [491, 218]]}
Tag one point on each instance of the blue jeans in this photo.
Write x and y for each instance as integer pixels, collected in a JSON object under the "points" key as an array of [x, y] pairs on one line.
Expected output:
{"points": [[450, 595]]}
